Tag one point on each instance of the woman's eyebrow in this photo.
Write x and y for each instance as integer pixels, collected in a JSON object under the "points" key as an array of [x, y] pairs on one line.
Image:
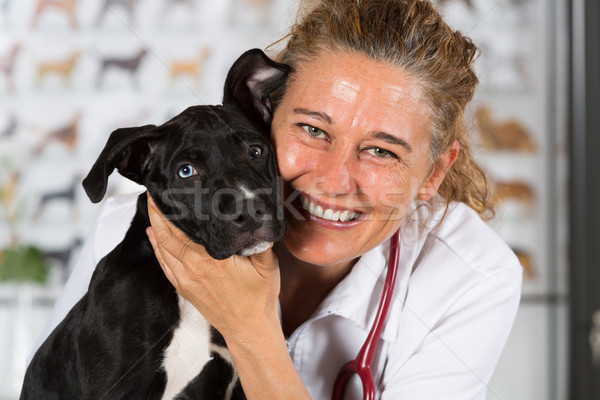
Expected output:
{"points": [[392, 139], [315, 114]]}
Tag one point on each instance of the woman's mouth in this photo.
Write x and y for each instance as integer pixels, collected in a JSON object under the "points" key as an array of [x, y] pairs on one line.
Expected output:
{"points": [[334, 215]]}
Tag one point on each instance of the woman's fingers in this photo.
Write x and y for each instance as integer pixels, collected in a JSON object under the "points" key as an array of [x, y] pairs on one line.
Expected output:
{"points": [[159, 256], [265, 262], [220, 289], [169, 239], [164, 230]]}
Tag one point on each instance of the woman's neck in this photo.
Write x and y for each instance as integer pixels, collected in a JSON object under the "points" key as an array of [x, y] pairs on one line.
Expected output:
{"points": [[304, 286]]}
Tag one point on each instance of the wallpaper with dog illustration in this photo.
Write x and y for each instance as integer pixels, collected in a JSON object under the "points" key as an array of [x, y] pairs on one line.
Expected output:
{"points": [[72, 71]]}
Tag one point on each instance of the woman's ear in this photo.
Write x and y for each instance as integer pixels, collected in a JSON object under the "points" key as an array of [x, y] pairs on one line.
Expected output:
{"points": [[430, 186]]}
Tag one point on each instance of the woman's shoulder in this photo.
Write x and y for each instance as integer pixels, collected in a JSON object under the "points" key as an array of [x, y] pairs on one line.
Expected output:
{"points": [[467, 240], [475, 242]]}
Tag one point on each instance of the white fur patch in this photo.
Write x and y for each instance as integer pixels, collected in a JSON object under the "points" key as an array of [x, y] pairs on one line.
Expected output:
{"points": [[247, 193], [188, 351], [258, 248], [226, 355]]}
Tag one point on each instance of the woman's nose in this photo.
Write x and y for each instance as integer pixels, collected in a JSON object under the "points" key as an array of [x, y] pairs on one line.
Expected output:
{"points": [[335, 174]]}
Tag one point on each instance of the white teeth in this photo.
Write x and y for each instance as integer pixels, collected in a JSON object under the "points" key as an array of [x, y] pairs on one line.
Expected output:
{"points": [[344, 216], [335, 216], [319, 211], [328, 213], [304, 203]]}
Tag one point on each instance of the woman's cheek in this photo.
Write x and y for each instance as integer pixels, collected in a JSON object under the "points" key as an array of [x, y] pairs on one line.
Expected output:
{"points": [[294, 160], [390, 191]]}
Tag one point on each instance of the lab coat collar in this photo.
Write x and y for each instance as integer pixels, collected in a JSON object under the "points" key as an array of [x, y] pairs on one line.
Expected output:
{"points": [[357, 296]]}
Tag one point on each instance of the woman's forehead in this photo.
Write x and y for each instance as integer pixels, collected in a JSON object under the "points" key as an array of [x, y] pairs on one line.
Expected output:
{"points": [[372, 92], [346, 76]]}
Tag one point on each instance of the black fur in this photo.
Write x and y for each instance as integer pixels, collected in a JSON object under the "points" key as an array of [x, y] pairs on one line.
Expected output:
{"points": [[111, 344]]}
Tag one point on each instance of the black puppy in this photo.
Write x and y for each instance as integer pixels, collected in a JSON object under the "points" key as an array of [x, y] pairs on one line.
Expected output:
{"points": [[212, 171]]}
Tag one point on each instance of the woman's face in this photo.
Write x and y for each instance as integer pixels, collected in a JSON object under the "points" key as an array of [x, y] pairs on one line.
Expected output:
{"points": [[352, 142]]}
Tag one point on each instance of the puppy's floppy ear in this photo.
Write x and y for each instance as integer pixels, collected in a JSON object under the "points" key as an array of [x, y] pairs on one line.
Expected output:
{"points": [[130, 151], [250, 80]]}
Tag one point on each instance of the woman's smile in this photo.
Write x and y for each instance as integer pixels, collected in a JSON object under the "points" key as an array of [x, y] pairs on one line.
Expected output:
{"points": [[331, 214], [335, 217]]}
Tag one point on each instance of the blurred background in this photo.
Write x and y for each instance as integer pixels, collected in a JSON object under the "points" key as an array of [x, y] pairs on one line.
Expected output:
{"points": [[72, 71]]}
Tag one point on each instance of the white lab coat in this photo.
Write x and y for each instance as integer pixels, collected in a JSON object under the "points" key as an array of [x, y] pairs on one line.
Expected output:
{"points": [[456, 296]]}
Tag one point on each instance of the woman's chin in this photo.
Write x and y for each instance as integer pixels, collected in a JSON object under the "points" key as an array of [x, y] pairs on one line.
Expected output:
{"points": [[318, 251]]}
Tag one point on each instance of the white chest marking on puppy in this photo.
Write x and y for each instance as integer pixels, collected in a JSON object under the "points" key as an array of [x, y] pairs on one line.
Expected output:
{"points": [[188, 351]]}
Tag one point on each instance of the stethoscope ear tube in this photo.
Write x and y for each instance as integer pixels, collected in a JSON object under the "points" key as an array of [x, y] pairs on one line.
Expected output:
{"points": [[361, 365]]}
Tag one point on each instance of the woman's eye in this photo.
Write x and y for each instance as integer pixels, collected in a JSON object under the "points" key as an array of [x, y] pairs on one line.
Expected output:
{"points": [[255, 152], [381, 153], [185, 171], [312, 131]]}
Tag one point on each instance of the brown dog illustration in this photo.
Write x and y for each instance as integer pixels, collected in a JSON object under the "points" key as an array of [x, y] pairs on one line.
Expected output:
{"points": [[67, 135], [519, 191], [67, 6], [192, 68], [502, 135], [64, 68]]}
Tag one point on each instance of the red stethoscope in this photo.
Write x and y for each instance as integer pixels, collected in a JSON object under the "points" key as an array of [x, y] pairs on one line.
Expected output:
{"points": [[361, 365]]}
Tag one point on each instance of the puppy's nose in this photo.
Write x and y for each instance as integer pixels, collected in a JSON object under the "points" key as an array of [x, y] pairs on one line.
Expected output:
{"points": [[252, 215], [257, 208]]}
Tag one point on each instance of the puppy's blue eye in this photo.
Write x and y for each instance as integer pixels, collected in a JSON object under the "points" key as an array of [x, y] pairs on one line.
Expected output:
{"points": [[185, 171], [254, 152]]}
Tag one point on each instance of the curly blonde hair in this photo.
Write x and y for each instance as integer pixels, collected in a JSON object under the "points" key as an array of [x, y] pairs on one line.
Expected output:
{"points": [[411, 35]]}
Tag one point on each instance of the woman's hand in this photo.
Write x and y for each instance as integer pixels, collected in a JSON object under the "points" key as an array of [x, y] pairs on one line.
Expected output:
{"points": [[238, 296]]}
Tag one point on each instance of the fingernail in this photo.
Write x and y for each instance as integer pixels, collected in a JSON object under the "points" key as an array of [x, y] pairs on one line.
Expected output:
{"points": [[150, 233]]}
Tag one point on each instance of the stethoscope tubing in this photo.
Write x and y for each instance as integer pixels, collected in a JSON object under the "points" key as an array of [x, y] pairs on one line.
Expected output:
{"points": [[361, 365]]}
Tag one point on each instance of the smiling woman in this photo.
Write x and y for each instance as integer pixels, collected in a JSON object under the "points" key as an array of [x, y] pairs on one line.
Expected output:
{"points": [[368, 137], [352, 136]]}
